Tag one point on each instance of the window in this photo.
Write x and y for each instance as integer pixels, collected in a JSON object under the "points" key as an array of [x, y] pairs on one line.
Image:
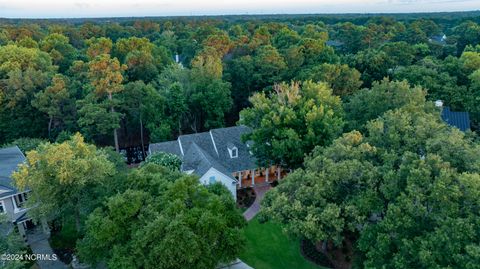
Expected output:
{"points": [[212, 180], [233, 152], [20, 199], [2, 207]]}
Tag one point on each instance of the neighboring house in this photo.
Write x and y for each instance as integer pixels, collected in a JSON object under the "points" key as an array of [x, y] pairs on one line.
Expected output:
{"points": [[461, 120], [11, 200], [220, 156], [439, 39], [334, 43]]}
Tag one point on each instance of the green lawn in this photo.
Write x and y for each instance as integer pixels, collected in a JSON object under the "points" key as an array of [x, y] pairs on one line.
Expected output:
{"points": [[268, 248]]}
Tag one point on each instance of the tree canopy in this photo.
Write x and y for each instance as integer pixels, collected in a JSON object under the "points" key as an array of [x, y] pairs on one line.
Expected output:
{"points": [[66, 180], [165, 219], [291, 121], [399, 194]]}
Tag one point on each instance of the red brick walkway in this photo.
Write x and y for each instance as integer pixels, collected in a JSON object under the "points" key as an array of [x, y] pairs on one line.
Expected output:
{"points": [[252, 211]]}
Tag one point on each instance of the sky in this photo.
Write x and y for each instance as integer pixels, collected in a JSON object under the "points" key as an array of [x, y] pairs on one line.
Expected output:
{"points": [[123, 8]]}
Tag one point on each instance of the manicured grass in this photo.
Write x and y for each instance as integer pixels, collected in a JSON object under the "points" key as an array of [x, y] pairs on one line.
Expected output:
{"points": [[268, 247]]}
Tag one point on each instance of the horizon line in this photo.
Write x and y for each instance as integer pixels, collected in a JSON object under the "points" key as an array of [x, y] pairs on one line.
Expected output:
{"points": [[236, 14]]}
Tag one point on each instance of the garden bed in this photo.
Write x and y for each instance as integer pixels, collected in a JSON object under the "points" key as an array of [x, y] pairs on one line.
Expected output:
{"points": [[245, 197]]}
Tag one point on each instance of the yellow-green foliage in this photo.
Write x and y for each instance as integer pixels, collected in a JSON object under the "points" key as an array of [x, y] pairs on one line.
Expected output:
{"points": [[61, 175]]}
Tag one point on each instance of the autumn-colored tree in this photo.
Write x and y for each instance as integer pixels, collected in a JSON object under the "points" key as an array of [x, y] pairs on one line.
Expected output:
{"points": [[23, 73], [64, 179], [98, 46], [106, 78]]}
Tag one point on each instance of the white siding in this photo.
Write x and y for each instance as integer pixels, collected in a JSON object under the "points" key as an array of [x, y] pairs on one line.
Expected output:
{"points": [[12, 213], [222, 178]]}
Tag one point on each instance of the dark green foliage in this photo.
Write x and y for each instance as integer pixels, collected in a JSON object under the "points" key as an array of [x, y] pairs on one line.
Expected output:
{"points": [[224, 63], [164, 220], [288, 124], [400, 191], [342, 79], [117, 80], [11, 244], [368, 104]]}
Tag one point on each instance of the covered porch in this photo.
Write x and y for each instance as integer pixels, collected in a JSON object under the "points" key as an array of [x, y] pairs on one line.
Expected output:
{"points": [[250, 178]]}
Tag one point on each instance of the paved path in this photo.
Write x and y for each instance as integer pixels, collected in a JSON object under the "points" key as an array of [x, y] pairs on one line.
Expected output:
{"points": [[237, 264], [252, 211], [38, 242]]}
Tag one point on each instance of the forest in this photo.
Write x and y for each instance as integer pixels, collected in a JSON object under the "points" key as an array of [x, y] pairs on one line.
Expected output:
{"points": [[51, 72], [344, 102]]}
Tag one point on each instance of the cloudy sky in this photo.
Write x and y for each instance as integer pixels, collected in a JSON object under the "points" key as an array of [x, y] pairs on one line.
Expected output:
{"points": [[107, 8]]}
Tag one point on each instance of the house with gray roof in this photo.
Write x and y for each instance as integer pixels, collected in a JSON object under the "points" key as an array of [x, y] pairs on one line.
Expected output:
{"points": [[461, 119], [458, 119], [220, 155], [11, 199], [440, 39]]}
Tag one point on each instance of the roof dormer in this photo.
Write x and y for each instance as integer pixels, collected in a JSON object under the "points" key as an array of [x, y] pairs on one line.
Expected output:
{"points": [[232, 150]]}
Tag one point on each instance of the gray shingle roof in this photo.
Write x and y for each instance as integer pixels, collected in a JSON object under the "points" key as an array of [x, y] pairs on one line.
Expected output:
{"points": [[461, 120], [233, 135], [202, 151], [440, 39], [200, 162], [170, 147], [203, 140], [10, 158]]}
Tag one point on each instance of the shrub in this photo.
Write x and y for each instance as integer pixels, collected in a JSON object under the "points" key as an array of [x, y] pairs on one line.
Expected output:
{"points": [[168, 160]]}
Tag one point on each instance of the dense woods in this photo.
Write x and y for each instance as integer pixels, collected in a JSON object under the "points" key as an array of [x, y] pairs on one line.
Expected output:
{"points": [[117, 81], [345, 103]]}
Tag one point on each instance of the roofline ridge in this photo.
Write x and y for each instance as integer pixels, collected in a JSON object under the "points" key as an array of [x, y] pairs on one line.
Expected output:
{"points": [[213, 142], [180, 144]]}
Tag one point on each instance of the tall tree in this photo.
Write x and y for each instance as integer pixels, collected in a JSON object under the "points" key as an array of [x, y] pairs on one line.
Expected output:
{"points": [[269, 67], [144, 59], [368, 104], [439, 84], [65, 179], [52, 99], [393, 197], [165, 219], [342, 79], [106, 78], [59, 48], [210, 98], [291, 121], [98, 46], [23, 73]]}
